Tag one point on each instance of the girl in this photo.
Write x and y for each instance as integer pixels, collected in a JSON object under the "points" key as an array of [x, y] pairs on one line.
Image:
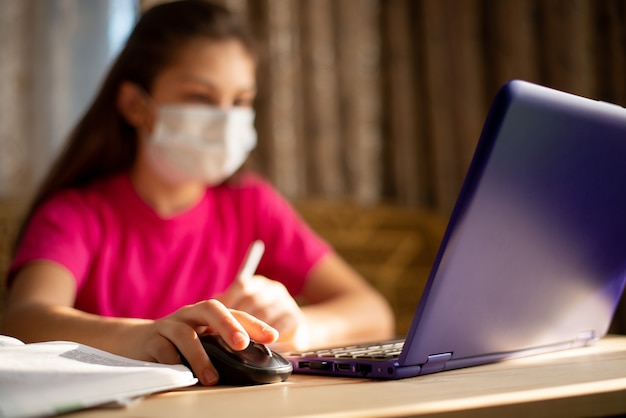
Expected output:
{"points": [[134, 240]]}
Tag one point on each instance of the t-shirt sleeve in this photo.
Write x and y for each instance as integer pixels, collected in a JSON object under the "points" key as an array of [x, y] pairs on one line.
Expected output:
{"points": [[292, 248], [56, 232]]}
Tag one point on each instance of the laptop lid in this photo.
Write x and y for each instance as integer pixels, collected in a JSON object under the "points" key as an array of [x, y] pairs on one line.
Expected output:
{"points": [[534, 257]]}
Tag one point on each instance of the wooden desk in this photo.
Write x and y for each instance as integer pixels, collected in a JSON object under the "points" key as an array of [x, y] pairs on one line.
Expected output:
{"points": [[588, 381]]}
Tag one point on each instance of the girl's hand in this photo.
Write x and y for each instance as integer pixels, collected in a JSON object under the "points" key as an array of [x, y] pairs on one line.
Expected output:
{"points": [[160, 339], [269, 301]]}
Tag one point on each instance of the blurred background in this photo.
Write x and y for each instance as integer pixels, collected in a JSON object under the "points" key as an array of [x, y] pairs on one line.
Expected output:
{"points": [[368, 110]]}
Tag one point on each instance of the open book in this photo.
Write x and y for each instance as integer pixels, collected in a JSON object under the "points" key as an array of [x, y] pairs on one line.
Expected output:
{"points": [[43, 379]]}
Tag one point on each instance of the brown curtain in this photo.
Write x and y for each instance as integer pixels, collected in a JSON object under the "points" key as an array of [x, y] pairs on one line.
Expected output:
{"points": [[370, 100], [384, 100]]}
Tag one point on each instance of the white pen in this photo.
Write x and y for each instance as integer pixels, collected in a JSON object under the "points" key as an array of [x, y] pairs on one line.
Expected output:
{"points": [[251, 262]]}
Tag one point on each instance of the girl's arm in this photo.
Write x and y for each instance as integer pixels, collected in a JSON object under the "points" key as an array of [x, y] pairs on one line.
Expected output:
{"points": [[39, 308], [338, 307], [342, 308]]}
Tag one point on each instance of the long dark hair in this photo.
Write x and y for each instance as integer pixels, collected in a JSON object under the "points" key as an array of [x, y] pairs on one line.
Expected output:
{"points": [[103, 144]]}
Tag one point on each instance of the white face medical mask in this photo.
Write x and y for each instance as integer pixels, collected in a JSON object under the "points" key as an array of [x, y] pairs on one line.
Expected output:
{"points": [[200, 142]]}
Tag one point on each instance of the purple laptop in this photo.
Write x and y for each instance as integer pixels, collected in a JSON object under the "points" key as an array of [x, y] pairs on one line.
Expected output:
{"points": [[534, 257]]}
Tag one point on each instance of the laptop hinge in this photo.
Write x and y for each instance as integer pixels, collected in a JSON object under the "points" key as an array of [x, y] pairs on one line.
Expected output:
{"points": [[435, 363], [585, 338]]}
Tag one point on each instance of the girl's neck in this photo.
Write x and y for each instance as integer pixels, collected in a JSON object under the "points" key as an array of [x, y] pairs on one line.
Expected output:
{"points": [[167, 200]]}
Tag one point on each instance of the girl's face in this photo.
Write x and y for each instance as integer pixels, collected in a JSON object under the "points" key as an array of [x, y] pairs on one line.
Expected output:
{"points": [[204, 72], [217, 73]]}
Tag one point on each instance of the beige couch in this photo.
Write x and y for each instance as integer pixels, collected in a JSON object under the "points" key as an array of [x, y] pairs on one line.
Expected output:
{"points": [[393, 247]]}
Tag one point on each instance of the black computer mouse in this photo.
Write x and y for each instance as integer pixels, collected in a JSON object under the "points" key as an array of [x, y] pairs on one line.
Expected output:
{"points": [[256, 364]]}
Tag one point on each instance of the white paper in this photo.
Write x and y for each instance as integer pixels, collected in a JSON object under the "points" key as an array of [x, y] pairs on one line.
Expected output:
{"points": [[44, 379]]}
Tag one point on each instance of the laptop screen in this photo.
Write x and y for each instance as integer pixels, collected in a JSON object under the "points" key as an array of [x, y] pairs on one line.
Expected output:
{"points": [[535, 253]]}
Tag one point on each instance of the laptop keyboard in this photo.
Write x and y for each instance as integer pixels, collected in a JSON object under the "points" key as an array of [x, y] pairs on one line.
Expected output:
{"points": [[377, 351]]}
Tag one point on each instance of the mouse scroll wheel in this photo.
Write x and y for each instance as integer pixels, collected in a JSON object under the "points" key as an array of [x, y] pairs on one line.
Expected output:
{"points": [[264, 348]]}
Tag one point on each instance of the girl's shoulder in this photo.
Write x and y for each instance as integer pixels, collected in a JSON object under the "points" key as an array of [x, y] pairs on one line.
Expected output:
{"points": [[98, 191], [246, 185], [247, 180], [85, 201], [251, 190]]}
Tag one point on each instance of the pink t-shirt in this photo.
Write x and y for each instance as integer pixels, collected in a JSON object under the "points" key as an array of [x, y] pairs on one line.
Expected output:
{"points": [[129, 262]]}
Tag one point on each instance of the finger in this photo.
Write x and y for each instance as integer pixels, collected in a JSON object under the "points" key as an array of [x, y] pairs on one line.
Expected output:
{"points": [[162, 350], [257, 329], [256, 294], [240, 290], [186, 340], [219, 319], [232, 325], [270, 314], [261, 305], [232, 297], [285, 323]]}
